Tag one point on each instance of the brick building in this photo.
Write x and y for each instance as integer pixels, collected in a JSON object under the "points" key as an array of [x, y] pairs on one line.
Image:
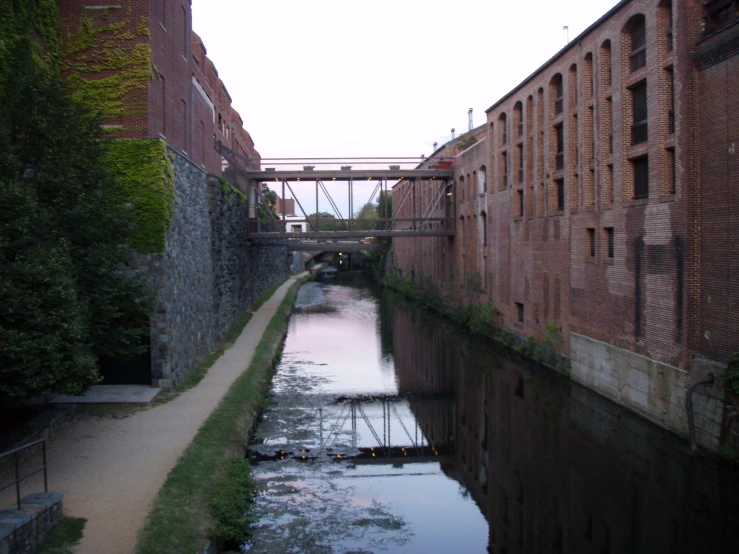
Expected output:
{"points": [[140, 63], [604, 201]]}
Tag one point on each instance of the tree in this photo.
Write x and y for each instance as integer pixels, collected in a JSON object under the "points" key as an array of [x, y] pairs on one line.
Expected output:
{"points": [[270, 197], [67, 295], [384, 208], [327, 222], [368, 215], [465, 141]]}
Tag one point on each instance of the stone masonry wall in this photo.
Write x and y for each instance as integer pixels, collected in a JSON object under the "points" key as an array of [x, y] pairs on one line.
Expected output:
{"points": [[209, 274]]}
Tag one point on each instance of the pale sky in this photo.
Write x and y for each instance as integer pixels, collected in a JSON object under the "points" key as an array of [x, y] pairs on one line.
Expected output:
{"points": [[384, 78]]}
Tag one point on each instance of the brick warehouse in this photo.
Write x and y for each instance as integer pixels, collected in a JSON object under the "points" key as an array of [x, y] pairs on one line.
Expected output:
{"points": [[182, 100], [604, 200]]}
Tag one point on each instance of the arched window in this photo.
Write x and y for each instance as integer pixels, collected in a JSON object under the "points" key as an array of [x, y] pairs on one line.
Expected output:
{"points": [[461, 188], [556, 92], [482, 180], [636, 31], [503, 129], [518, 118]]}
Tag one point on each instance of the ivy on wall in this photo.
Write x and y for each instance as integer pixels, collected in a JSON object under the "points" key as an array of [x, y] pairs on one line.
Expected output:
{"points": [[144, 168], [29, 26], [106, 62]]}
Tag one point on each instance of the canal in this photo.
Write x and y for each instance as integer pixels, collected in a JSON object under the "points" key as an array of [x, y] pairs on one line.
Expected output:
{"points": [[390, 430]]}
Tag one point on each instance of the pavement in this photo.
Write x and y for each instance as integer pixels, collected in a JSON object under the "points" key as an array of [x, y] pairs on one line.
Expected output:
{"points": [[110, 470]]}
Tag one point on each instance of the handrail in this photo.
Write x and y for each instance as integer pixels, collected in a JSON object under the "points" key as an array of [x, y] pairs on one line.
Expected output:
{"points": [[18, 478]]}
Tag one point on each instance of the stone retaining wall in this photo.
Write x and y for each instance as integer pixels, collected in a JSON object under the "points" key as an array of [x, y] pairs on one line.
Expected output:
{"points": [[22, 531], [209, 274]]}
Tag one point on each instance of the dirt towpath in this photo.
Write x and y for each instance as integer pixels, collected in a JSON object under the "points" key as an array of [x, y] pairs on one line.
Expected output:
{"points": [[110, 470]]}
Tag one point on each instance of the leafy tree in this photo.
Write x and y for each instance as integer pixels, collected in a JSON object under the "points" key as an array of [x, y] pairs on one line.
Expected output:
{"points": [[270, 197], [66, 293], [384, 202], [327, 222], [368, 213]]}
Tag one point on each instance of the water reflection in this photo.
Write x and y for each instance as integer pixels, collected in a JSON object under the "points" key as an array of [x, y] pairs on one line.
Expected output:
{"points": [[390, 430], [556, 468]]}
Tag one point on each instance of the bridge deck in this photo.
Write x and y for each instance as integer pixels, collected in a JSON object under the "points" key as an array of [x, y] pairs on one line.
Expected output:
{"points": [[353, 175], [352, 234]]}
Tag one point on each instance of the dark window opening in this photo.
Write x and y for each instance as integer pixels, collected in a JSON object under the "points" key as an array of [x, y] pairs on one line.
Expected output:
{"points": [[504, 129], [560, 184], [591, 243], [484, 218], [520, 163], [610, 242], [519, 387], [638, 56], [560, 153], [670, 45], [672, 171], [671, 111], [558, 101], [505, 169], [641, 177], [721, 14], [519, 311], [520, 203], [639, 129]]}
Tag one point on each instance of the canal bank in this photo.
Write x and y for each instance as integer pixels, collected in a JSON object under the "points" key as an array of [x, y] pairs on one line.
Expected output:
{"points": [[388, 429]]}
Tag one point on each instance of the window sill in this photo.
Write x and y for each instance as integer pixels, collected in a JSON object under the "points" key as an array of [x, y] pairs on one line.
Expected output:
{"points": [[517, 218], [669, 59], [637, 76], [670, 141], [636, 202], [591, 101], [638, 150], [558, 174], [667, 197], [608, 261], [558, 119], [608, 92]]}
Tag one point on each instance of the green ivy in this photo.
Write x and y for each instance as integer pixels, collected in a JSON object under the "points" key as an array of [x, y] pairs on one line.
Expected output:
{"points": [[29, 26], [144, 167], [105, 64]]}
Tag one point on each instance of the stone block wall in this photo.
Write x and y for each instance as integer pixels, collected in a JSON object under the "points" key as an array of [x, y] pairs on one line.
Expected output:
{"points": [[22, 531], [209, 274]]}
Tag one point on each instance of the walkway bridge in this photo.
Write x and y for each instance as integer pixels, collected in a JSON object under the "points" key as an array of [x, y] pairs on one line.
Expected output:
{"points": [[320, 185]]}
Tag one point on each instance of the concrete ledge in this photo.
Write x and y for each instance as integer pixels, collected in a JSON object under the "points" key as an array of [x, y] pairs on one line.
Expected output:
{"points": [[112, 394], [23, 530]]}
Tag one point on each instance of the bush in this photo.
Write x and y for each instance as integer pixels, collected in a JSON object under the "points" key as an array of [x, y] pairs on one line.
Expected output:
{"points": [[231, 505]]}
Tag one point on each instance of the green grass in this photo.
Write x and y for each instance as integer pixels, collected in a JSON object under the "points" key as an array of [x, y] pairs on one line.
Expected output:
{"points": [[64, 536], [180, 520]]}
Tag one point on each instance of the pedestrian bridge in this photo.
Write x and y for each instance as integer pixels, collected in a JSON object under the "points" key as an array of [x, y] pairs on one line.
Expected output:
{"points": [[346, 188]]}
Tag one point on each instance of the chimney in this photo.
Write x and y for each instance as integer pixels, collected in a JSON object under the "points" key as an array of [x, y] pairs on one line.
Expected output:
{"points": [[566, 30], [435, 144], [469, 115], [452, 133]]}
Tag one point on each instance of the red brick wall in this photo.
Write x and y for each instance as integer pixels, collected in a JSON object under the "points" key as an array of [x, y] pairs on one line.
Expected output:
{"points": [[670, 278], [718, 196]]}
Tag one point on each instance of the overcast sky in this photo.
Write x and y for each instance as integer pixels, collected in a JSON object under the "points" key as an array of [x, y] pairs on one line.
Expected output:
{"points": [[383, 78]]}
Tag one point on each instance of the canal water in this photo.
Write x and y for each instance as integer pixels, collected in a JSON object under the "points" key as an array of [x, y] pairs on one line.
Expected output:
{"points": [[390, 430]]}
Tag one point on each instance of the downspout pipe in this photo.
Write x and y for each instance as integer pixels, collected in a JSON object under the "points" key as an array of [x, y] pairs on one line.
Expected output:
{"points": [[689, 407]]}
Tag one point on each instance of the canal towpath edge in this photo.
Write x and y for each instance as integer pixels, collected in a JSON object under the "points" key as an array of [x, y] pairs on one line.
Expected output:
{"points": [[111, 470]]}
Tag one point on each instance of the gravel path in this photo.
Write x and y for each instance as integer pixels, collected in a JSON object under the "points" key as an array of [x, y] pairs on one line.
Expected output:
{"points": [[110, 470]]}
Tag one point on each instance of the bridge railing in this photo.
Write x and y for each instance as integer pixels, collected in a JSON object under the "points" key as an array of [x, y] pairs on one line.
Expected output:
{"points": [[312, 165]]}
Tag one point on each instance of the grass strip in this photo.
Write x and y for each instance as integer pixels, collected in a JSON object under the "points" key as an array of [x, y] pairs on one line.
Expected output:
{"points": [[180, 520]]}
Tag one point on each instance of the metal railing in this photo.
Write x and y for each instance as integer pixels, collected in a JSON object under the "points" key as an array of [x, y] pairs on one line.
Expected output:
{"points": [[350, 164], [18, 478]]}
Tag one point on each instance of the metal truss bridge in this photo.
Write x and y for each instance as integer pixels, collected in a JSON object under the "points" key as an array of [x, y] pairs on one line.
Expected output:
{"points": [[310, 182]]}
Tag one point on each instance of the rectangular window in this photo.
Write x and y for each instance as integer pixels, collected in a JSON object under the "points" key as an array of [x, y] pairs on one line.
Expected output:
{"points": [[504, 162], [591, 243], [558, 102], [671, 111], [639, 132], [560, 154], [520, 163], [519, 311], [641, 177], [184, 126], [671, 171], [669, 30], [560, 184], [520, 203], [609, 242]]}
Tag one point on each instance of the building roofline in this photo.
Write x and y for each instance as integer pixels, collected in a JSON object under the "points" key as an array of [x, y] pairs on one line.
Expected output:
{"points": [[574, 42]]}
